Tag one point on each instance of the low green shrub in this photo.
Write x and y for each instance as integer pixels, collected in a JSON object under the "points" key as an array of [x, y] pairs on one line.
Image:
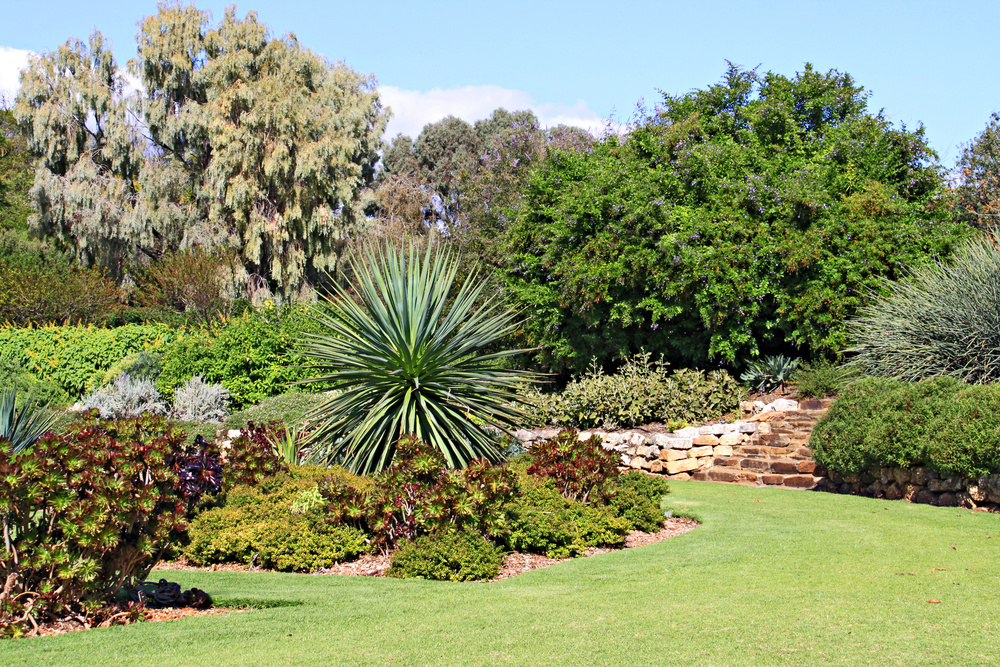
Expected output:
{"points": [[91, 511], [76, 358], [941, 423], [44, 390], [288, 408], [819, 379], [543, 521], [256, 525], [640, 392], [456, 556], [638, 498]]}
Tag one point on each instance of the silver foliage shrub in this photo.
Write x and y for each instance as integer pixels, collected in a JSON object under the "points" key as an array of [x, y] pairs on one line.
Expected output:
{"points": [[196, 401], [126, 397]]}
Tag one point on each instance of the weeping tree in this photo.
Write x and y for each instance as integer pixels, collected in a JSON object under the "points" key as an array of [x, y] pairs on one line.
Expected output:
{"points": [[235, 140]]}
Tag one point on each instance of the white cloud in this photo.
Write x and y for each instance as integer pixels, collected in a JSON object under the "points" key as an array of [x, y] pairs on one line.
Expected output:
{"points": [[412, 109], [11, 63]]}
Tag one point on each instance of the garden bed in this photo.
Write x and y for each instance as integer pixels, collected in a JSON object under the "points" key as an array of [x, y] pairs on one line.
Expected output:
{"points": [[513, 564]]}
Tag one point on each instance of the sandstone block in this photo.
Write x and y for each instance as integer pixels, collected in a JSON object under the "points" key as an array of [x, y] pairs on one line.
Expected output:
{"points": [[686, 465], [636, 462], [806, 467], [763, 428], [723, 475], [746, 427], [785, 467], [730, 439], [689, 432], [754, 464], [700, 476], [672, 442], [747, 476], [656, 466], [673, 454], [772, 480], [804, 451], [800, 481], [727, 461], [682, 476], [723, 450], [698, 452], [709, 440]]}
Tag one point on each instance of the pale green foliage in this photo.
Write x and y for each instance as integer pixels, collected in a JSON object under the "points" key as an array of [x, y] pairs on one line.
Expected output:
{"points": [[942, 319], [257, 144], [770, 372], [642, 391], [411, 361]]}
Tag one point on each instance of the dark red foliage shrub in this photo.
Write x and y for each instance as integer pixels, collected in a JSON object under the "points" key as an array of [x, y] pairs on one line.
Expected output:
{"points": [[418, 495], [581, 470], [89, 512], [251, 457]]}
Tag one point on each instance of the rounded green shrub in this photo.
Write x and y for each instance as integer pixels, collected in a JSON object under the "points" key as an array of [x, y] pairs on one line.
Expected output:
{"points": [[637, 500], [940, 423], [457, 556]]}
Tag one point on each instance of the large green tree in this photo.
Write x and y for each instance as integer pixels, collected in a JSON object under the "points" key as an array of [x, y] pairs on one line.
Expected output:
{"points": [[748, 218], [235, 140]]}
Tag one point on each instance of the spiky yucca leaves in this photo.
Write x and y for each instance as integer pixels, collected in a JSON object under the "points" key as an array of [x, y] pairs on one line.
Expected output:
{"points": [[943, 319], [770, 373], [22, 426], [406, 365]]}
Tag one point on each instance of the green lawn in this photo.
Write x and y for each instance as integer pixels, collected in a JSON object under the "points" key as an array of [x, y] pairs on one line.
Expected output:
{"points": [[772, 577]]}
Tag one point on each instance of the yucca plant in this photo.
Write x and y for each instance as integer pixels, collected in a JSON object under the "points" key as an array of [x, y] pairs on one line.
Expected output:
{"points": [[22, 426], [941, 319], [409, 361], [289, 443]]}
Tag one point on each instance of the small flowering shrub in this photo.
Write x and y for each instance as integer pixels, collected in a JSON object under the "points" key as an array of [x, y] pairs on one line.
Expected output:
{"points": [[580, 470], [417, 496], [89, 512], [251, 457]]}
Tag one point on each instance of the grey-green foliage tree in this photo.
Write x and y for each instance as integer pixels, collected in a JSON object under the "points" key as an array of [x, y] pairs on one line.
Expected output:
{"points": [[978, 189], [441, 154], [235, 139]]}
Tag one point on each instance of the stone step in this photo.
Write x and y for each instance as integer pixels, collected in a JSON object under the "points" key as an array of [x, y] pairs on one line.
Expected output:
{"points": [[756, 478], [762, 466]]}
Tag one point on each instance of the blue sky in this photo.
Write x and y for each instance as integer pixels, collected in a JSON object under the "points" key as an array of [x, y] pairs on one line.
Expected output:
{"points": [[582, 62]]}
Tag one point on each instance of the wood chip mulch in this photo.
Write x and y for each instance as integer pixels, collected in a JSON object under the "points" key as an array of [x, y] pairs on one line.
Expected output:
{"points": [[513, 564]]}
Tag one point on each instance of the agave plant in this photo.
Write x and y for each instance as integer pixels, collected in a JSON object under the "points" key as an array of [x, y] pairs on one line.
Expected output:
{"points": [[770, 373], [409, 361], [22, 426]]}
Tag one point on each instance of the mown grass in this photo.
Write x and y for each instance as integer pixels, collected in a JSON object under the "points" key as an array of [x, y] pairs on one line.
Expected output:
{"points": [[772, 577]]}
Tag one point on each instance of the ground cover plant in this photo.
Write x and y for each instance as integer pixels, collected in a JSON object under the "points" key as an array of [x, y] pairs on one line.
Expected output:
{"points": [[771, 576], [90, 512]]}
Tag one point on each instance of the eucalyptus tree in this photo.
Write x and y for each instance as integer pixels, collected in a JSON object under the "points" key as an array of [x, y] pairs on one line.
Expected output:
{"points": [[234, 139]]}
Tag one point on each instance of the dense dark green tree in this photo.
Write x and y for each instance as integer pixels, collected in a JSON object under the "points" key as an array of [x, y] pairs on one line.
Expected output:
{"points": [[747, 218], [244, 141]]}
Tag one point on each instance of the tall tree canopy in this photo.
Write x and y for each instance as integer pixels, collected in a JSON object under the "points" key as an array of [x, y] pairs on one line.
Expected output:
{"points": [[235, 140], [747, 218]]}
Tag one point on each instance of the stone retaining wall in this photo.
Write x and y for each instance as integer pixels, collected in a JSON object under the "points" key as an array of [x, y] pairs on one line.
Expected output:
{"points": [[766, 448], [918, 485]]}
